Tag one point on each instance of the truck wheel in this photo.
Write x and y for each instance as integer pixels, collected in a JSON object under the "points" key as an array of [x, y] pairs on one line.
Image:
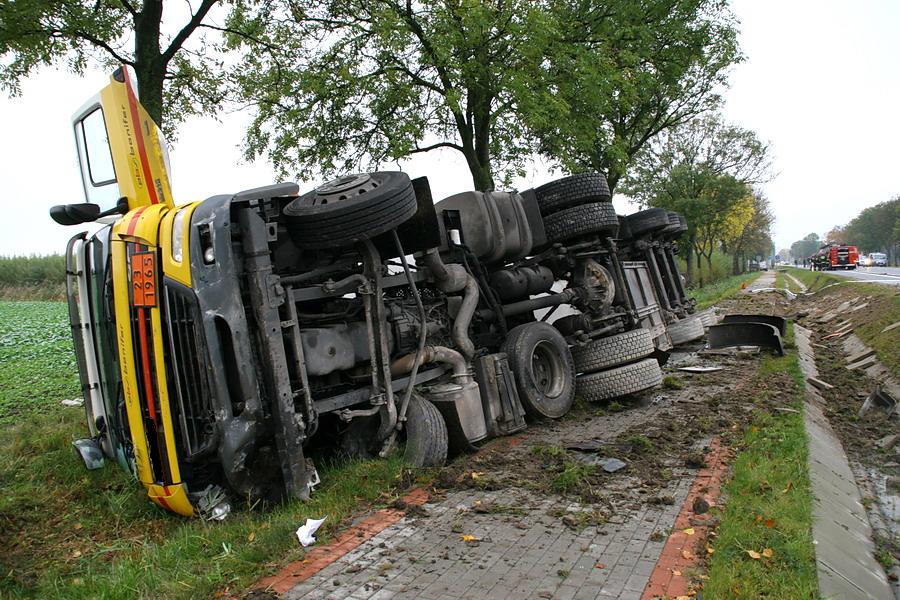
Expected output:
{"points": [[613, 351], [572, 191], [543, 369], [426, 434], [686, 330], [620, 381], [597, 217], [350, 209], [646, 221]]}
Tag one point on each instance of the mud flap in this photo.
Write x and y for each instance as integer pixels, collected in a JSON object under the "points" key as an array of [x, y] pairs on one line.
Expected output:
{"points": [[780, 323], [727, 335]]}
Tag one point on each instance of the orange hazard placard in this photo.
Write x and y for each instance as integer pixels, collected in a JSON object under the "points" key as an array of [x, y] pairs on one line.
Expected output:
{"points": [[143, 279]]}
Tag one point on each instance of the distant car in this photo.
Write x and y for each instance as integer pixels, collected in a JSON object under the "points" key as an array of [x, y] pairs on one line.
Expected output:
{"points": [[877, 259], [763, 266], [865, 260]]}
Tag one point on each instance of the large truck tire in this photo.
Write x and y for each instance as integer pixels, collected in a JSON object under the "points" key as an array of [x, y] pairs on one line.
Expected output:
{"points": [[543, 369], [572, 191], [612, 351], [597, 217], [621, 381], [686, 330], [350, 209], [426, 434], [647, 221]]}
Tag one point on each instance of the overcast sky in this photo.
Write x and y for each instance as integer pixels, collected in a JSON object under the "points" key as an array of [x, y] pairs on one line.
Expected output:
{"points": [[821, 83]]}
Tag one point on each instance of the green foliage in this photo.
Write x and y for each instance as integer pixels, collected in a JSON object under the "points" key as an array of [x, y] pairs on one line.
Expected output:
{"points": [[37, 362], [806, 247], [702, 169], [353, 84], [360, 83], [709, 295], [635, 70], [174, 81], [32, 270], [708, 272], [876, 228]]}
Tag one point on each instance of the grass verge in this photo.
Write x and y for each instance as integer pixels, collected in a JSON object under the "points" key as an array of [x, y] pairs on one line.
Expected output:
{"points": [[708, 295], [763, 546], [71, 533], [883, 310]]}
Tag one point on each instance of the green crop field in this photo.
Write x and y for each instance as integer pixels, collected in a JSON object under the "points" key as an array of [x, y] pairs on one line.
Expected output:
{"points": [[37, 363]]}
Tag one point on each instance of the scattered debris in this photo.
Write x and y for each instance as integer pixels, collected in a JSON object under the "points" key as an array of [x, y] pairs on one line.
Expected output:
{"points": [[878, 397], [786, 409], [700, 369], [864, 363], [818, 383], [90, 452], [888, 441], [780, 323], [610, 465], [306, 531], [861, 355], [891, 327], [736, 351], [73, 402], [787, 294], [701, 506], [859, 307], [213, 503]]}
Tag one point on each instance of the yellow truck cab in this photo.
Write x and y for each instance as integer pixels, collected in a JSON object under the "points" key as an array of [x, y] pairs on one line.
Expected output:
{"points": [[222, 343]]}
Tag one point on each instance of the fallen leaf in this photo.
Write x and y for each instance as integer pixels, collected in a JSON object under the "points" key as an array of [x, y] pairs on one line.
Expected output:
{"points": [[689, 531], [76, 554], [687, 555], [770, 523], [468, 538], [768, 552], [599, 566], [754, 554], [77, 526], [789, 486], [252, 536], [676, 573], [476, 475], [710, 550], [754, 429], [682, 598]]}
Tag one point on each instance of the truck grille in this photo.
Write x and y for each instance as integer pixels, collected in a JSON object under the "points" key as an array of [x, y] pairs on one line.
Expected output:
{"points": [[192, 407]]}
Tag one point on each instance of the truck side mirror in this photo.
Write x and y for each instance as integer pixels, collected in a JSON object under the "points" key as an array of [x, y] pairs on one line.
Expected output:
{"points": [[74, 214]]}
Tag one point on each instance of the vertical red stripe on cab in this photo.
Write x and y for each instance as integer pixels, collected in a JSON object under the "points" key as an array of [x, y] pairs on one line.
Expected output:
{"points": [[139, 137], [132, 225]]}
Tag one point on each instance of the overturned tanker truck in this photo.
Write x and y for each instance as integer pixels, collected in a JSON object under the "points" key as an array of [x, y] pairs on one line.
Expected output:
{"points": [[220, 343]]}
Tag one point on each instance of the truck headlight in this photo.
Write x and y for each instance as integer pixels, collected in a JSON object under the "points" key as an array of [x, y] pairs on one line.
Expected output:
{"points": [[178, 236]]}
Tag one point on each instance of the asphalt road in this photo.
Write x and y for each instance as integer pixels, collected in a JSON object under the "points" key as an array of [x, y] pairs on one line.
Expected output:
{"points": [[886, 275]]}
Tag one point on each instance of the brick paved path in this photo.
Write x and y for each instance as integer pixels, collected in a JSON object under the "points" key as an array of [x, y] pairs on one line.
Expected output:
{"points": [[528, 552]]}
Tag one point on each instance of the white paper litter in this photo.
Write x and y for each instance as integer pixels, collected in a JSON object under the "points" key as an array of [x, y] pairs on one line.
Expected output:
{"points": [[75, 402], [305, 532]]}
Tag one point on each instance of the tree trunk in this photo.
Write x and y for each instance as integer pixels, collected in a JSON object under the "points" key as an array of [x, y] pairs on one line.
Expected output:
{"points": [[735, 265], [149, 66], [688, 259], [709, 269]]}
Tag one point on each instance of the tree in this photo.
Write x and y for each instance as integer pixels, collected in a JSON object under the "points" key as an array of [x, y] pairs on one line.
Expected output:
{"points": [[803, 249], [358, 82], [701, 169], [838, 235], [755, 238], [173, 81], [631, 74]]}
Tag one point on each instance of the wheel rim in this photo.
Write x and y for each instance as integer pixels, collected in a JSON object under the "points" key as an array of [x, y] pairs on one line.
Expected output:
{"points": [[547, 370]]}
